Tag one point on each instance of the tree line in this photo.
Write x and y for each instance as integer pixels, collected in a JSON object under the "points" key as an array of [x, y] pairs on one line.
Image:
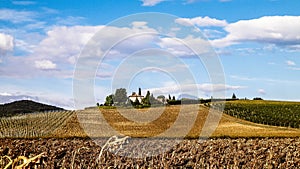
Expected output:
{"points": [[120, 98]]}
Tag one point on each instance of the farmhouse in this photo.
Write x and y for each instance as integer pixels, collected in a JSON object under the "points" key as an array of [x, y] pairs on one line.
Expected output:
{"points": [[133, 97]]}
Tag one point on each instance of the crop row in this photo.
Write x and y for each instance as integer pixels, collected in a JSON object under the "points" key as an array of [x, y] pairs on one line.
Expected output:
{"points": [[270, 113], [33, 124]]}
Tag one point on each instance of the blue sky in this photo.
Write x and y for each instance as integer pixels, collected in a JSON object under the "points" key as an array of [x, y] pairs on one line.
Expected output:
{"points": [[257, 43]]}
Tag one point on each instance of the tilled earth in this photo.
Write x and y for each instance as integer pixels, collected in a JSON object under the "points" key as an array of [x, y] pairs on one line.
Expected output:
{"points": [[211, 153]]}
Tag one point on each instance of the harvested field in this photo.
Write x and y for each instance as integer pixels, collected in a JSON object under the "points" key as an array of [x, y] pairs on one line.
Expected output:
{"points": [[137, 123], [213, 153], [228, 127], [32, 125]]}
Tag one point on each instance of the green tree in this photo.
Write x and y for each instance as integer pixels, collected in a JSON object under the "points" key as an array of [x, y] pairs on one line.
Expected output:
{"points": [[109, 100], [146, 99], [148, 94], [120, 97], [233, 96]]}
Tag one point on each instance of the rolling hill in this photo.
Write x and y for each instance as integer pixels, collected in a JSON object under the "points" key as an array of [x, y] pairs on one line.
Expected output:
{"points": [[23, 107]]}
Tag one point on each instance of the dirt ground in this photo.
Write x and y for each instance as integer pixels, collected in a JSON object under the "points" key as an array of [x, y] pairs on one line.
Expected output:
{"points": [[212, 153]]}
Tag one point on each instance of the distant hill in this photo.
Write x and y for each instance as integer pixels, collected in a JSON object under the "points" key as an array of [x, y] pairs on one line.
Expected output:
{"points": [[23, 107], [187, 96]]}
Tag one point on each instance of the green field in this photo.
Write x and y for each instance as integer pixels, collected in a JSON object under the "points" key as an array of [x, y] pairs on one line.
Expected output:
{"points": [[275, 113]]}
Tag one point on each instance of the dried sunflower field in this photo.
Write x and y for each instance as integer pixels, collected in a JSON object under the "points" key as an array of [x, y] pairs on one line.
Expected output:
{"points": [[212, 153]]}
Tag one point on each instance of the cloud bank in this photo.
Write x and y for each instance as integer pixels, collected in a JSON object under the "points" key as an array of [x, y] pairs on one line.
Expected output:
{"points": [[279, 30], [201, 22]]}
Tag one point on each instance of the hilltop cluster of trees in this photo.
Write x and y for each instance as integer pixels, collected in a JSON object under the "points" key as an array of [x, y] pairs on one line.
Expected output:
{"points": [[120, 98]]}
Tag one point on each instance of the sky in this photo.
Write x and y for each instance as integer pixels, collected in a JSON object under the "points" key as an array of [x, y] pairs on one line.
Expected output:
{"points": [[196, 47]]}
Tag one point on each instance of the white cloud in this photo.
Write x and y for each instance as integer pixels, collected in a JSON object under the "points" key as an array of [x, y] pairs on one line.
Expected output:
{"points": [[290, 63], [45, 64], [5, 94], [139, 24], [278, 30], [35, 25], [63, 43], [186, 88], [49, 10], [294, 68], [62, 46], [6, 42], [24, 45], [15, 16], [175, 46], [182, 47], [23, 2], [8, 98], [261, 91], [213, 34], [151, 2], [47, 98], [201, 22], [295, 47], [268, 80], [193, 1], [69, 21], [219, 87]]}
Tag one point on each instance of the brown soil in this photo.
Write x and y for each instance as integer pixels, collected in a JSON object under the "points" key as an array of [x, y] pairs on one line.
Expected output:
{"points": [[213, 153]]}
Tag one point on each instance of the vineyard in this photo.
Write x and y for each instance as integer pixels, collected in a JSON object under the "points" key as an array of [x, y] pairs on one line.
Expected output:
{"points": [[284, 114], [32, 125]]}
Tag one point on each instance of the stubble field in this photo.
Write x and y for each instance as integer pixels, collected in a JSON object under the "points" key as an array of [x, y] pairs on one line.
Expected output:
{"points": [[228, 126]]}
